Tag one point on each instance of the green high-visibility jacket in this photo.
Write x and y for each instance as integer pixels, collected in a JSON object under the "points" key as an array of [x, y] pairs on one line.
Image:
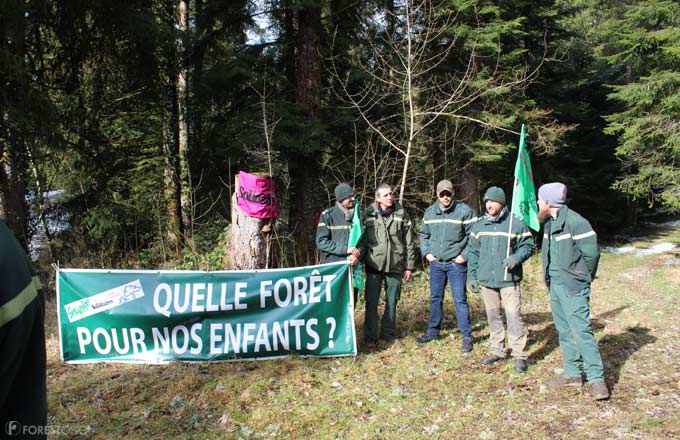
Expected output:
{"points": [[389, 241], [444, 233], [18, 286], [332, 235], [574, 242], [487, 248]]}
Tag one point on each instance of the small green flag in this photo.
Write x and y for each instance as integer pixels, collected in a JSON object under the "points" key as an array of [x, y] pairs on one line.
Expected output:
{"points": [[524, 194], [355, 234]]}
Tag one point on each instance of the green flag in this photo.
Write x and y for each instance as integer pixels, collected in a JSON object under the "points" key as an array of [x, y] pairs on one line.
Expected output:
{"points": [[355, 234], [524, 194]]}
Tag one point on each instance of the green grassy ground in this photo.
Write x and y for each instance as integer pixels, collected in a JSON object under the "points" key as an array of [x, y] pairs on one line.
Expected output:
{"points": [[406, 390]]}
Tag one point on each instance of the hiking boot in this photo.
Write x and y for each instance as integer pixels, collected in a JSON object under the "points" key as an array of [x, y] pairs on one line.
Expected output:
{"points": [[425, 338], [564, 380], [388, 339], [520, 365], [467, 345], [599, 390], [491, 359], [370, 342]]}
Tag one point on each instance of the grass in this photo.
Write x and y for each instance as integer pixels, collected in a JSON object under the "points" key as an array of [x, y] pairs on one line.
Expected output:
{"points": [[406, 390]]}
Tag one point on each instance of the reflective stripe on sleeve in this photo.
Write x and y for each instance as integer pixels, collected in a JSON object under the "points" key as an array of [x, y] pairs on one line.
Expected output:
{"points": [[16, 305]]}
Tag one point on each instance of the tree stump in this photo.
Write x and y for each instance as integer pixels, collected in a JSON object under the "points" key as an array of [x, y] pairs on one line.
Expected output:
{"points": [[249, 238]]}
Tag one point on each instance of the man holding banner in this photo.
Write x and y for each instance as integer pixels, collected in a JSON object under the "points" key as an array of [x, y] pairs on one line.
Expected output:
{"points": [[333, 230], [498, 276], [390, 256]]}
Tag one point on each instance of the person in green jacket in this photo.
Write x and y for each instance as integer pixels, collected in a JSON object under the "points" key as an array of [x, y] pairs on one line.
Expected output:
{"points": [[570, 255], [497, 275], [443, 237], [23, 388], [390, 256], [332, 231]]}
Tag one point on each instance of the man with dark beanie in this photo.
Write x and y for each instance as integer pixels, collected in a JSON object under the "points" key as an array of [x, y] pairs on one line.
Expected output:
{"points": [[497, 275], [23, 389], [570, 256], [332, 232], [443, 236]]}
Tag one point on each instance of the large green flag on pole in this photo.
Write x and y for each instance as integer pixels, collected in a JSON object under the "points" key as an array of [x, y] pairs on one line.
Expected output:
{"points": [[524, 192], [355, 234]]}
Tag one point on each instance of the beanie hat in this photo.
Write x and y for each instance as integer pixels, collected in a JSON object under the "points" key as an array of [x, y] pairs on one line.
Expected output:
{"points": [[554, 194], [496, 194], [444, 185], [343, 191]]}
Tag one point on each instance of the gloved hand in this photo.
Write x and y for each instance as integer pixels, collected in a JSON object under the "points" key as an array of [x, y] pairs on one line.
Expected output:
{"points": [[473, 285], [511, 262]]}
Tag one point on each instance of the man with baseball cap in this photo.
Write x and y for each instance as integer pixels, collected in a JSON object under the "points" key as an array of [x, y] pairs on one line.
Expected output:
{"points": [[443, 237], [498, 276], [570, 256]]}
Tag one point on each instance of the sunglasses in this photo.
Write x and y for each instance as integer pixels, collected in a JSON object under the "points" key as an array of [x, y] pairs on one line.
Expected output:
{"points": [[445, 194]]}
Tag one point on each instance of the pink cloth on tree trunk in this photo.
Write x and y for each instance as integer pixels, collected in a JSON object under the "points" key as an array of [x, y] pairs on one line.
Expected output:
{"points": [[256, 196]]}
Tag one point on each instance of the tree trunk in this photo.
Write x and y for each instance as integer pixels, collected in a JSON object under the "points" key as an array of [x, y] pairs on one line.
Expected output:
{"points": [[469, 187], [12, 138], [183, 124], [173, 225], [12, 190], [308, 61], [249, 238], [304, 170]]}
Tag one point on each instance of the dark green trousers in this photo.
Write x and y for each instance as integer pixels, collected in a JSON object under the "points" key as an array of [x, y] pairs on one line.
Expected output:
{"points": [[571, 313], [23, 389], [374, 284]]}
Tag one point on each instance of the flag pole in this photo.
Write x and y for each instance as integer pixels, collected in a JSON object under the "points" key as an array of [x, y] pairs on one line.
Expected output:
{"points": [[512, 204]]}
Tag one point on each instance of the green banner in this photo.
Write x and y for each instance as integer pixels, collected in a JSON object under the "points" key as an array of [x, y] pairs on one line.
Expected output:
{"points": [[157, 316]]}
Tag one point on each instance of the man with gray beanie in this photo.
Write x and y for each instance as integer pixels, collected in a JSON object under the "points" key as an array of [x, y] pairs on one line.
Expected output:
{"points": [[497, 275], [570, 256], [332, 232], [443, 237]]}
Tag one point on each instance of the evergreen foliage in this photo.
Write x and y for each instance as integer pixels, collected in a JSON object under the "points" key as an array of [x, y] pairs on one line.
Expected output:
{"points": [[90, 104]]}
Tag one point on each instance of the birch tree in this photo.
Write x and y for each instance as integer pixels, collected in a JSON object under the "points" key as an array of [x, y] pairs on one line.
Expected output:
{"points": [[408, 72]]}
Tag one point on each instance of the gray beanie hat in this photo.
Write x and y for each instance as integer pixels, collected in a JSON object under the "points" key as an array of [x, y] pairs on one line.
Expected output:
{"points": [[343, 191], [444, 185], [554, 194], [496, 194]]}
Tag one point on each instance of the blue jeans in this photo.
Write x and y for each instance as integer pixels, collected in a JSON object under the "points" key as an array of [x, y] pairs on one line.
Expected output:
{"points": [[457, 276]]}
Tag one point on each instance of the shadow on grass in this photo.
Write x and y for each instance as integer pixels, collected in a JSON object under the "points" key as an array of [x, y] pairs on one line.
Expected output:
{"points": [[616, 349], [548, 338]]}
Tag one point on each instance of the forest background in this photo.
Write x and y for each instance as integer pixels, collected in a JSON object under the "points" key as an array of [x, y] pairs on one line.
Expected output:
{"points": [[141, 112]]}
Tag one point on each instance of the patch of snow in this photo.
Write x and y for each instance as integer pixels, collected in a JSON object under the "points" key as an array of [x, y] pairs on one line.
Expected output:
{"points": [[621, 250], [665, 225], [657, 249]]}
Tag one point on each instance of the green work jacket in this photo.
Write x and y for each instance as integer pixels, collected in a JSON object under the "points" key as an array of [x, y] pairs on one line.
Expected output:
{"points": [[20, 286], [389, 242], [332, 235], [444, 233], [488, 245], [575, 244]]}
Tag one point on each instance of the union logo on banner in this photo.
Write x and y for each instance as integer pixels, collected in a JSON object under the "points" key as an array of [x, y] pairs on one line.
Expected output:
{"points": [[256, 196]]}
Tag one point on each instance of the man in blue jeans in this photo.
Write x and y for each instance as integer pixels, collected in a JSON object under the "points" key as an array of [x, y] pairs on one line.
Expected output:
{"points": [[443, 236]]}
